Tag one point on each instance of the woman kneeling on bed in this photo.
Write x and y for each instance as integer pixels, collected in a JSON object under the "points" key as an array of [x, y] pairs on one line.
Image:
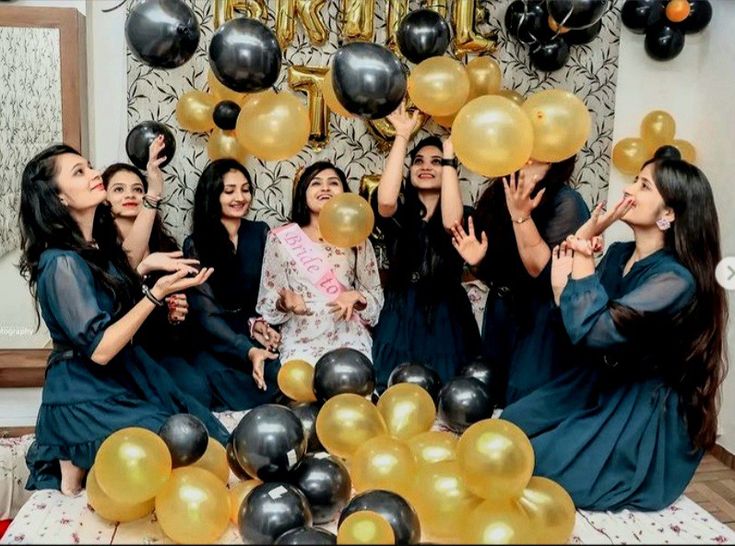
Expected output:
{"points": [[628, 427]]}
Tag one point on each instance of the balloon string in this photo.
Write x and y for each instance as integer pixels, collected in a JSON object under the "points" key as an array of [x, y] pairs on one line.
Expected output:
{"points": [[108, 10]]}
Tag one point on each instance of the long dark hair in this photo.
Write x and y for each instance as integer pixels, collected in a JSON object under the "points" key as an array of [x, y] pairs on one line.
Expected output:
{"points": [[694, 238], [160, 239], [212, 244], [300, 213], [45, 223], [503, 263]]}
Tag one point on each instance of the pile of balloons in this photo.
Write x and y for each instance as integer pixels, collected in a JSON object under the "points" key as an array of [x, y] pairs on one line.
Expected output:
{"points": [[665, 23], [180, 472], [550, 27], [658, 128]]}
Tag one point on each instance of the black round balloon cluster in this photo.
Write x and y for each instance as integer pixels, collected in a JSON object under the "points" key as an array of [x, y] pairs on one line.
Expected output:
{"points": [[660, 22], [550, 27]]}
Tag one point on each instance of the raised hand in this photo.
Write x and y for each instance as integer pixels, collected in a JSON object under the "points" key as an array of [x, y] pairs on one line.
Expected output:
{"points": [[345, 303], [178, 282], [153, 168], [403, 122], [257, 358], [166, 261], [562, 258], [518, 190], [601, 219], [471, 250]]}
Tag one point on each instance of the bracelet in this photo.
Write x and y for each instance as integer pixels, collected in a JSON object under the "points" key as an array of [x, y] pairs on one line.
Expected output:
{"points": [[521, 219], [151, 202], [148, 294]]}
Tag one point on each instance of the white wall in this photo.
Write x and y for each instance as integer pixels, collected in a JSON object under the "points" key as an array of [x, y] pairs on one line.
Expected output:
{"points": [[697, 89]]}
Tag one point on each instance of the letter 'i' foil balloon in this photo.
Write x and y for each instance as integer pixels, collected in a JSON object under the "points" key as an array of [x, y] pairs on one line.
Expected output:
{"points": [[162, 33], [270, 510], [269, 442], [186, 438], [325, 482], [393, 508]]}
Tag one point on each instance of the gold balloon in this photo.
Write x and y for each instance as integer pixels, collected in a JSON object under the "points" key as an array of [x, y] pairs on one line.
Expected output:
{"points": [[224, 10], [385, 133], [561, 124], [132, 465], [445, 121], [515, 96], [492, 136], [629, 155], [368, 184], [407, 410], [221, 92], [657, 129], [194, 111], [439, 86], [193, 507], [395, 11], [434, 446], [310, 79], [466, 37], [330, 96], [496, 458], [346, 422], [296, 380], [357, 23], [550, 509], [238, 494], [225, 145], [365, 527], [686, 149], [497, 522], [439, 6], [346, 220], [215, 460], [307, 11], [383, 463], [442, 500], [110, 509], [485, 76], [273, 127]]}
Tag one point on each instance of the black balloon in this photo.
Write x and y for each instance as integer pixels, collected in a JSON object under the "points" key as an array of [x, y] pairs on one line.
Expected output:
{"points": [[394, 508], [186, 438], [464, 401], [326, 484], [583, 36], [234, 464], [576, 14], [368, 79], [245, 56], [343, 371], [162, 33], [269, 442], [140, 138], [664, 41], [225, 115], [481, 370], [700, 14], [270, 510], [528, 22], [307, 413], [422, 34], [638, 15], [551, 55], [306, 535], [420, 375]]}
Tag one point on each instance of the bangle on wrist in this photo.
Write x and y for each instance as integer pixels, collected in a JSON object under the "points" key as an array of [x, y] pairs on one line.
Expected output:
{"points": [[446, 162], [151, 202], [149, 294], [520, 219]]}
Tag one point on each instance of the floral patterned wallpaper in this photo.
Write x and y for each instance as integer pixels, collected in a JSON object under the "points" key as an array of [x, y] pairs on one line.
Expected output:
{"points": [[30, 113], [152, 94]]}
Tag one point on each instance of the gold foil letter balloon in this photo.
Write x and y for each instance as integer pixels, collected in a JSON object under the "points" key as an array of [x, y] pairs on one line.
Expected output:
{"points": [[466, 37], [287, 11], [310, 79], [358, 18], [224, 10], [395, 10]]}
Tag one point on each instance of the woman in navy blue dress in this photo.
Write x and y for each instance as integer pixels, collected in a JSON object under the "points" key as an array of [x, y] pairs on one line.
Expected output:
{"points": [[427, 317], [520, 220], [97, 380], [627, 428], [235, 349]]}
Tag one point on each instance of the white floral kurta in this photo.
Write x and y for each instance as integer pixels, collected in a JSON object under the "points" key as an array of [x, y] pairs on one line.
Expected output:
{"points": [[308, 337]]}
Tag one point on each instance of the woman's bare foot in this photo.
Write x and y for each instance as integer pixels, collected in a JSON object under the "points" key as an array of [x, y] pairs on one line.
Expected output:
{"points": [[71, 478]]}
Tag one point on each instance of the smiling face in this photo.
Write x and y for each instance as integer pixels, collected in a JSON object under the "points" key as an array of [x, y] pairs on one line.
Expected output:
{"points": [[80, 186], [125, 194], [426, 169], [325, 185], [236, 195], [648, 205]]}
